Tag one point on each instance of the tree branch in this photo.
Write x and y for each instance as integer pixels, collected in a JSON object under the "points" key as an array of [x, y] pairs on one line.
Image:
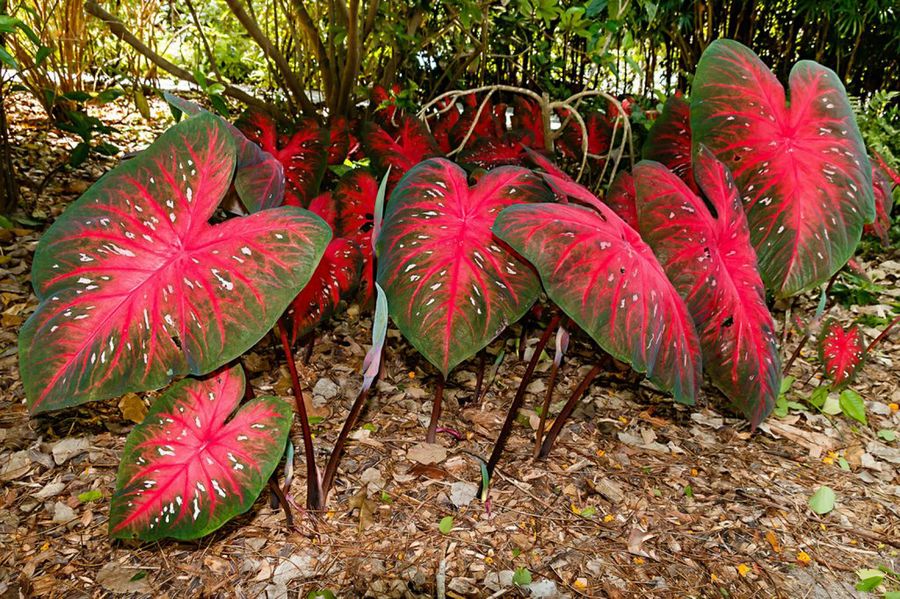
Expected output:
{"points": [[118, 29], [272, 52], [312, 33]]}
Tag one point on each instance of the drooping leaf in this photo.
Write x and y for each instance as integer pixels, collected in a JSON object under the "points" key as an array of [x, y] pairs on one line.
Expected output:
{"points": [[600, 272], [841, 351], [884, 203], [802, 168], [136, 287], [301, 150], [621, 197], [711, 263], [451, 287], [187, 469], [334, 279], [669, 139], [545, 164], [410, 145], [259, 176]]}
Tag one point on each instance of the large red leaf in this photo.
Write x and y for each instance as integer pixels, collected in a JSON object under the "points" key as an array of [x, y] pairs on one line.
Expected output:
{"points": [[669, 139], [711, 263], [302, 152], [451, 287], [489, 124], [802, 168], [606, 279], [527, 117], [599, 128], [401, 151], [490, 152], [259, 176], [136, 287], [841, 351], [185, 470], [335, 279], [355, 196]]}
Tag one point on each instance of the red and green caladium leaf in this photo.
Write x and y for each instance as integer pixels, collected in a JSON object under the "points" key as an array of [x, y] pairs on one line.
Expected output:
{"points": [[490, 152], [884, 203], [669, 139], [451, 286], [605, 278], [401, 151], [258, 177], [137, 288], [187, 469], [711, 263], [302, 153], [841, 351], [802, 168], [599, 134], [621, 197]]}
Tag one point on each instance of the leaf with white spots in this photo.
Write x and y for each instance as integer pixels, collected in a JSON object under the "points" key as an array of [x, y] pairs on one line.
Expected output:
{"points": [[187, 468], [451, 286], [621, 198], [669, 139], [842, 352], [136, 287], [709, 259], [600, 272], [803, 172]]}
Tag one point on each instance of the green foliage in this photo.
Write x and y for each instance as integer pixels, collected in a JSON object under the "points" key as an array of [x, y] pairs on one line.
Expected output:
{"points": [[522, 576], [822, 501]]}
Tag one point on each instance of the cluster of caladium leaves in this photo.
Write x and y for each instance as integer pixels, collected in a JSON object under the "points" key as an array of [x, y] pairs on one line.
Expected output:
{"points": [[137, 287]]}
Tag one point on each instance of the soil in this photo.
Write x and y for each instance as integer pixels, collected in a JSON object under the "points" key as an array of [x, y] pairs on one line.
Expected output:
{"points": [[639, 498]]}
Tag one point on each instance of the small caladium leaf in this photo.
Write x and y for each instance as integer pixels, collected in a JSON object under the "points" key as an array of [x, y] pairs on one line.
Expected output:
{"points": [[892, 174], [711, 263], [604, 277], [339, 140], [259, 176], [669, 139], [334, 279], [401, 151], [487, 125], [355, 195], [491, 152], [884, 203], [386, 106], [302, 152], [841, 351], [621, 198], [540, 161], [599, 133], [527, 117], [802, 168], [451, 287], [136, 287], [187, 468], [442, 123]]}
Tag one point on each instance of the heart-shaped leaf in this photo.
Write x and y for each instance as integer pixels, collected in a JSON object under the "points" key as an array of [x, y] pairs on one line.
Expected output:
{"points": [[451, 287], [600, 272], [711, 263], [411, 144], [136, 287], [802, 168], [187, 469], [669, 139], [842, 351]]}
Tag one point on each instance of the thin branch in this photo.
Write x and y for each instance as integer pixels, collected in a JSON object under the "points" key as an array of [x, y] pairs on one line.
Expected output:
{"points": [[351, 64], [118, 29], [206, 46], [308, 26], [272, 52]]}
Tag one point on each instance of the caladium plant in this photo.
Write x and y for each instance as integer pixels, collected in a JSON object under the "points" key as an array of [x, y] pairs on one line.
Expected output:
{"points": [[842, 351], [136, 287], [451, 286], [301, 149], [196, 460], [601, 273], [802, 169], [709, 259], [400, 151]]}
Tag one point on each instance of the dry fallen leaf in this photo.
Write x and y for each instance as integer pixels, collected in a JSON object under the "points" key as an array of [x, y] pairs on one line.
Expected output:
{"points": [[132, 408]]}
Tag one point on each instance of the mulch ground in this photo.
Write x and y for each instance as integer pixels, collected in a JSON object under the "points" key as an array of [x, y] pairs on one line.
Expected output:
{"points": [[640, 497]]}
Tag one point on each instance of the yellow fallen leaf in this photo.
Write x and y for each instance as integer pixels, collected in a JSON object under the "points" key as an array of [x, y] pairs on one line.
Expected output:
{"points": [[694, 472], [713, 578], [132, 408], [804, 558], [773, 541], [828, 460], [580, 584], [743, 569], [601, 453], [608, 518], [488, 560], [639, 560], [894, 407]]}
